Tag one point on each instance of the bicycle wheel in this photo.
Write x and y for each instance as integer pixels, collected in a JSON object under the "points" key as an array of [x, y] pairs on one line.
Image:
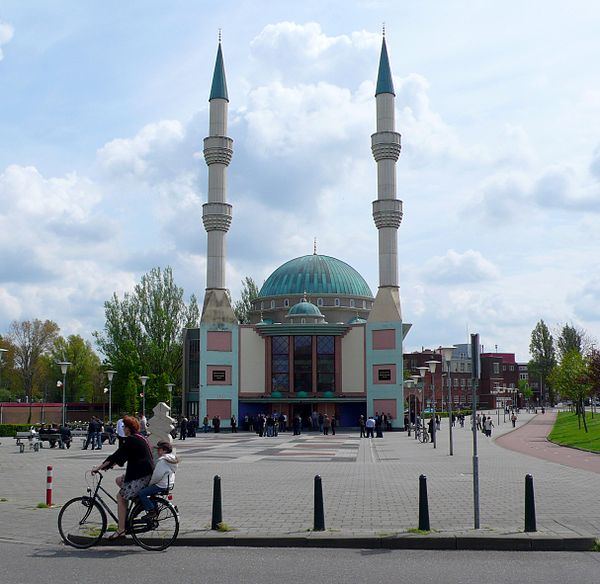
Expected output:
{"points": [[157, 533], [81, 522]]}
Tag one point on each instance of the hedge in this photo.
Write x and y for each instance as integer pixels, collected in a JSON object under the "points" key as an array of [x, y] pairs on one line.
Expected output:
{"points": [[12, 429]]}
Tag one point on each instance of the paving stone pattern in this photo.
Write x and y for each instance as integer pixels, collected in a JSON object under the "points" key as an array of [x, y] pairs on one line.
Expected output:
{"points": [[370, 485]]}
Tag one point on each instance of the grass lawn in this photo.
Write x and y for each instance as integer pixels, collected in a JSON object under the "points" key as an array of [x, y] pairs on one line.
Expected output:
{"points": [[566, 431]]}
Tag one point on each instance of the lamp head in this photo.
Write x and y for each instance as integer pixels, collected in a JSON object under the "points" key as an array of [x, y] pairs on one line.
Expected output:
{"points": [[170, 387], [422, 371], [64, 365], [447, 353], [432, 365], [143, 379], [110, 374]]}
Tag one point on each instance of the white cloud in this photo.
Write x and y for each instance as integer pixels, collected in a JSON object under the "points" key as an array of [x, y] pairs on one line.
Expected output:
{"points": [[7, 32], [145, 155], [586, 301], [457, 268]]}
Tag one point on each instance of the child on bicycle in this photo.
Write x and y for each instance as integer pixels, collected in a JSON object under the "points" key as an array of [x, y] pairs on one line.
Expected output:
{"points": [[163, 477]]}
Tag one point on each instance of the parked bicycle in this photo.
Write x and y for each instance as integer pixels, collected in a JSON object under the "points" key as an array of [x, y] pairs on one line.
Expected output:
{"points": [[82, 521], [422, 434]]}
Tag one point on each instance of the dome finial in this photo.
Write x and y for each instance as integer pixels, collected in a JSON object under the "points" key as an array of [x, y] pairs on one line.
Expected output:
{"points": [[221, 35], [315, 246], [304, 299], [382, 29]]}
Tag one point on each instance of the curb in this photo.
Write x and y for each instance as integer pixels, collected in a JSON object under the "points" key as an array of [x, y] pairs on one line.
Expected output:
{"points": [[524, 542]]}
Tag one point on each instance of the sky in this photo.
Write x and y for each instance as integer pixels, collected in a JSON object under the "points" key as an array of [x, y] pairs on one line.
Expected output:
{"points": [[104, 107]]}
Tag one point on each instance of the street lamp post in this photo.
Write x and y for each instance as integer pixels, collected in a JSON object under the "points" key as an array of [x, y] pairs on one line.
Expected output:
{"points": [[422, 371], [415, 380], [447, 358], [170, 387], [143, 379], [432, 365], [109, 374], [64, 365]]}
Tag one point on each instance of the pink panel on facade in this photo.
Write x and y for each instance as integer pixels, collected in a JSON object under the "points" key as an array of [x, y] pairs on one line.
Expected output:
{"points": [[218, 407], [384, 339], [218, 341], [384, 374], [385, 406], [218, 374]]}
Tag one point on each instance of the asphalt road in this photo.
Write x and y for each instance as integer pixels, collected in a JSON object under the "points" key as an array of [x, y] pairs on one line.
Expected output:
{"points": [[24, 564]]}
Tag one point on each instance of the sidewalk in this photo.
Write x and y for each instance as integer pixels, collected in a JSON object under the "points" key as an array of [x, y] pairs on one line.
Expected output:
{"points": [[370, 489]]}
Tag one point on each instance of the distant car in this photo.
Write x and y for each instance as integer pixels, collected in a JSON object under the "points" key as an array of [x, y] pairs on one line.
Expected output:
{"points": [[428, 411]]}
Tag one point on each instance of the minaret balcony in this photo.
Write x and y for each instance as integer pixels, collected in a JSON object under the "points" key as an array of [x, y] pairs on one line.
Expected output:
{"points": [[387, 213], [216, 216], [218, 150], [386, 146]]}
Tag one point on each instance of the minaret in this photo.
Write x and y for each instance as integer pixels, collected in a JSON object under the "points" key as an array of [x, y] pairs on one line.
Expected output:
{"points": [[387, 209], [216, 213]]}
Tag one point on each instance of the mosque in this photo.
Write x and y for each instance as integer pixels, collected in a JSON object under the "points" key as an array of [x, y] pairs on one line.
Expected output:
{"points": [[318, 339]]}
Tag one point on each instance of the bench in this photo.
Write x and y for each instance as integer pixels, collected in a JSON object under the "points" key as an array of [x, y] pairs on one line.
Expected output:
{"points": [[27, 438], [53, 438], [106, 437]]}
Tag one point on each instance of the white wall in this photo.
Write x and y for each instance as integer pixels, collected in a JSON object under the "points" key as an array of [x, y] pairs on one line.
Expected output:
{"points": [[252, 361]]}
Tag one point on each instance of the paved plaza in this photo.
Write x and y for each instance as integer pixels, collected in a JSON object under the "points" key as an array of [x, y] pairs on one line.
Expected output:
{"points": [[370, 485]]}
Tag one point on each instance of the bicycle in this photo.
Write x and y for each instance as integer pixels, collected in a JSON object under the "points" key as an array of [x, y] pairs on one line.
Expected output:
{"points": [[422, 435], [83, 521]]}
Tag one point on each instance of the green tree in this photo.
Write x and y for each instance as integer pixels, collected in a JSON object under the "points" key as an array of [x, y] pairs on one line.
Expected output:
{"points": [[243, 306], [143, 335], [84, 376], [543, 357], [31, 339], [571, 338], [571, 380], [525, 390]]}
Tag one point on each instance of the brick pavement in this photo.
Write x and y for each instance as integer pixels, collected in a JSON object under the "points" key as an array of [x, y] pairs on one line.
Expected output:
{"points": [[370, 486]]}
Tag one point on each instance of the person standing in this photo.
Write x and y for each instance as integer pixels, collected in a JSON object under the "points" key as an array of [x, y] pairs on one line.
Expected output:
{"points": [[143, 425], [120, 430], [326, 424], [513, 419], [362, 427], [183, 427], [233, 422], [370, 426], [90, 438], [98, 434], [333, 425]]}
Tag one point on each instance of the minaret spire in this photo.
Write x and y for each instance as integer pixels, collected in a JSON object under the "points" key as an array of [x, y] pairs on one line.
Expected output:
{"points": [[387, 209], [216, 213]]}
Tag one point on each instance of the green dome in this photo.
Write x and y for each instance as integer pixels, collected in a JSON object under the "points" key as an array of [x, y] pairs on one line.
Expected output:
{"points": [[315, 274], [305, 308]]}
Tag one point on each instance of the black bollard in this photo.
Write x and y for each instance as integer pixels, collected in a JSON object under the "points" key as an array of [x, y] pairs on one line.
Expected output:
{"points": [[423, 505], [217, 509], [319, 509], [529, 505]]}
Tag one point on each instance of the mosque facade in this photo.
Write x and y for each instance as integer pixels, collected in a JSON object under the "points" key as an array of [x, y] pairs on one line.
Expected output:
{"points": [[318, 339]]}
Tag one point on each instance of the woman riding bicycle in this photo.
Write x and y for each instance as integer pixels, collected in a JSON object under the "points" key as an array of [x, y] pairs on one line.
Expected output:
{"points": [[135, 451]]}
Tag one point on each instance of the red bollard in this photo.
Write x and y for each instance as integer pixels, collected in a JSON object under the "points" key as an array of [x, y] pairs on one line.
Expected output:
{"points": [[49, 487]]}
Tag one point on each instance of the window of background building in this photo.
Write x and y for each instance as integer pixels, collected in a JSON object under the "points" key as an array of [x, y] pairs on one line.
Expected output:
{"points": [[511, 368], [524, 376], [303, 363], [325, 363], [462, 366], [280, 363], [194, 363], [496, 368]]}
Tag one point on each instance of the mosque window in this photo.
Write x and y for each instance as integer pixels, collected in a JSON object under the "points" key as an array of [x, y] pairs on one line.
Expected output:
{"points": [[352, 303], [272, 303], [337, 302], [303, 363], [302, 321], [280, 363], [319, 302], [325, 363], [262, 305], [286, 302], [364, 303]]}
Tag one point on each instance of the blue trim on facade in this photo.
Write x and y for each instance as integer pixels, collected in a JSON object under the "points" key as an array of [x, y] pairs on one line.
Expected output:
{"points": [[230, 359], [383, 357]]}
